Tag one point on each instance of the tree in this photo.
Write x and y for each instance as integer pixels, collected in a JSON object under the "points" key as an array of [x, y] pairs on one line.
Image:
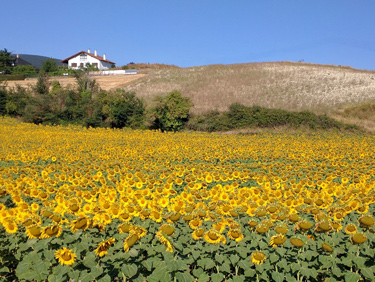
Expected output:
{"points": [[126, 109], [49, 65], [6, 60], [42, 84], [3, 101], [171, 112]]}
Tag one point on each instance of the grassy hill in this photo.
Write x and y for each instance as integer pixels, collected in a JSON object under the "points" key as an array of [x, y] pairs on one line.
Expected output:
{"points": [[322, 89], [37, 61]]}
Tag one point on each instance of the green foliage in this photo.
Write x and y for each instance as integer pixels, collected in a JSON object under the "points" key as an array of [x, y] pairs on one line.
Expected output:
{"points": [[17, 99], [5, 60], [171, 112], [3, 101], [240, 116], [42, 84], [126, 110], [49, 66], [23, 70]]}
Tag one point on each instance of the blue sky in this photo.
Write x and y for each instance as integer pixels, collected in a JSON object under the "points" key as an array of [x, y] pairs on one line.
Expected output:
{"points": [[194, 32]]}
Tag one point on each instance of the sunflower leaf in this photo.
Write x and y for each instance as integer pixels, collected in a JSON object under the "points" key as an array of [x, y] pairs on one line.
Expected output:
{"points": [[129, 270]]}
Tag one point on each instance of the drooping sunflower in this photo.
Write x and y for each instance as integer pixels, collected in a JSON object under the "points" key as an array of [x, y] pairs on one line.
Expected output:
{"points": [[81, 223], [262, 228], [297, 242], [358, 238], [327, 247], [303, 225], [198, 233], [103, 247], [167, 229], [164, 241], [258, 257], [50, 231], [366, 221], [125, 227], [130, 241], [277, 240], [350, 229], [65, 256], [34, 231], [281, 229]]}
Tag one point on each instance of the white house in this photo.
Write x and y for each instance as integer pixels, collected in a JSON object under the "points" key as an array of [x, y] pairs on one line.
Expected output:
{"points": [[81, 59]]}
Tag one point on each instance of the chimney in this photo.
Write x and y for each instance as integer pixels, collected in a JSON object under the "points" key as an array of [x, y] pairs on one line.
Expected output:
{"points": [[104, 57], [96, 53], [88, 51]]}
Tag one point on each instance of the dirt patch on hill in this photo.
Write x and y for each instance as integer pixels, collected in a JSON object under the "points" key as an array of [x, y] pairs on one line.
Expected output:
{"points": [[106, 82]]}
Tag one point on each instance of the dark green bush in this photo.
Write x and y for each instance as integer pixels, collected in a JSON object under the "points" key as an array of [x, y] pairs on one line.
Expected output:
{"points": [[171, 112]]}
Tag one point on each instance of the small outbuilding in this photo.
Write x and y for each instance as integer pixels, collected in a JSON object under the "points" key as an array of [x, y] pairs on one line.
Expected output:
{"points": [[83, 58]]}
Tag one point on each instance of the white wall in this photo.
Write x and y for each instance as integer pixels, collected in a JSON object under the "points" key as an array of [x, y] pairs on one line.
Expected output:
{"points": [[90, 60]]}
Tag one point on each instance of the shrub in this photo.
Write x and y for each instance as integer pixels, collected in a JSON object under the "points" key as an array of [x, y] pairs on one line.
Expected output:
{"points": [[171, 112]]}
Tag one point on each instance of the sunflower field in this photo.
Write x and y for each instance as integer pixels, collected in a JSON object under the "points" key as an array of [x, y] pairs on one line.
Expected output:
{"points": [[84, 204]]}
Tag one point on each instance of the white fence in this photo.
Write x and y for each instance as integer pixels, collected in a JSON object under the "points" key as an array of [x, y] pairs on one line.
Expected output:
{"points": [[112, 72]]}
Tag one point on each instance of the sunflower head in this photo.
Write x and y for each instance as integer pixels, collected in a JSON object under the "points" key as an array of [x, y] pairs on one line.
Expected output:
{"points": [[358, 238], [34, 231], [65, 256], [297, 242], [235, 234], [327, 247], [277, 240], [351, 229], [258, 257], [198, 233], [167, 229], [366, 221]]}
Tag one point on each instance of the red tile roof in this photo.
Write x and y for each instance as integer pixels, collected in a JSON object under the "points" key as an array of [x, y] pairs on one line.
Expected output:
{"points": [[65, 61]]}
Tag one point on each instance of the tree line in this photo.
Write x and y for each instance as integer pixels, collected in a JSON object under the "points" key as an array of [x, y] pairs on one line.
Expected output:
{"points": [[88, 105]]}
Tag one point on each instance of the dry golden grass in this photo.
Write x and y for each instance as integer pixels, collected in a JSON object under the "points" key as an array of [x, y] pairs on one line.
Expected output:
{"points": [[285, 85], [106, 82]]}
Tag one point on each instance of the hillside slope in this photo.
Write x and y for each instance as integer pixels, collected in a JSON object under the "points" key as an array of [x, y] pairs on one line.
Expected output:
{"points": [[284, 85]]}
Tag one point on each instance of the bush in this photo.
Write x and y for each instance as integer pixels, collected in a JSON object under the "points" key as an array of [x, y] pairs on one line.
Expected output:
{"points": [[3, 101], [171, 112], [126, 110], [8, 77]]}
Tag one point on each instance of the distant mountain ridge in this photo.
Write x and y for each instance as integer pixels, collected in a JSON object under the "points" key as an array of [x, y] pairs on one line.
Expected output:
{"points": [[37, 61]]}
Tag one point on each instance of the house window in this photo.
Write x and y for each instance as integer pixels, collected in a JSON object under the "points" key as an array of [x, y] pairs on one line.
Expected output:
{"points": [[81, 65], [74, 65], [83, 57], [95, 64]]}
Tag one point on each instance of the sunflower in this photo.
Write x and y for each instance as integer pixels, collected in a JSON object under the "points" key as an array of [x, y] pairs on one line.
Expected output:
{"points": [[214, 237], [65, 256], [156, 216], [358, 238], [351, 229], [366, 221], [164, 241], [327, 247], [167, 229], [195, 223], [281, 229], [258, 257], [140, 231], [297, 242], [130, 241], [125, 227], [336, 225], [81, 223], [262, 229], [235, 234], [303, 225], [50, 231], [104, 246], [198, 233], [10, 226], [323, 226], [34, 231], [277, 240]]}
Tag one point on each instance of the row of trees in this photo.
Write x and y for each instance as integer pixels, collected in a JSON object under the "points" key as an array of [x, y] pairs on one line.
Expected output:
{"points": [[88, 105]]}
